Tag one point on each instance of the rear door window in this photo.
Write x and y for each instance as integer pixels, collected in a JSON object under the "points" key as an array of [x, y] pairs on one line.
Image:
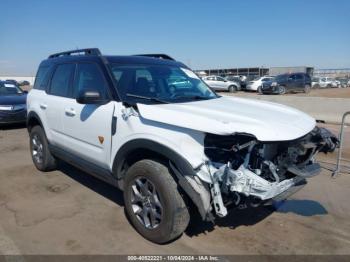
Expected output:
{"points": [[61, 79], [299, 77]]}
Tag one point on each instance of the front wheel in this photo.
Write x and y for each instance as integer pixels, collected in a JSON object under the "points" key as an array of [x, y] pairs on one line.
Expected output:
{"points": [[281, 90], [153, 203], [232, 89]]}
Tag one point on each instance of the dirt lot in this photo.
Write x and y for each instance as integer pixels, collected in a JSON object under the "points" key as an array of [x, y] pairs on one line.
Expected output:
{"points": [[70, 212], [327, 92]]}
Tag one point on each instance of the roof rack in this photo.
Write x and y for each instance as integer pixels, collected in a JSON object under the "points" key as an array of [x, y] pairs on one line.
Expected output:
{"points": [[160, 56], [86, 51]]}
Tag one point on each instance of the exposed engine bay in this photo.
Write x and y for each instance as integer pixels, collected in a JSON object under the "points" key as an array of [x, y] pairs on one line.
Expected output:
{"points": [[244, 170]]}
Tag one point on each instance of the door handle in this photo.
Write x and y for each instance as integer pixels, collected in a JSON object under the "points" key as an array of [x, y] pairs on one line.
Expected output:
{"points": [[43, 106], [70, 112]]}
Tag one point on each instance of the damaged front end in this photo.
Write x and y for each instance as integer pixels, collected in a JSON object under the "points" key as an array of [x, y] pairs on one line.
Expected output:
{"points": [[243, 171]]}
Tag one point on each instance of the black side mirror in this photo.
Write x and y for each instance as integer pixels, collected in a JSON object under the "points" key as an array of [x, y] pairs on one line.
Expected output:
{"points": [[25, 91], [90, 96]]}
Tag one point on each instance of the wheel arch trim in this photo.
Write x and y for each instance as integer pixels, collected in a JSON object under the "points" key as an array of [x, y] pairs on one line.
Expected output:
{"points": [[33, 116]]}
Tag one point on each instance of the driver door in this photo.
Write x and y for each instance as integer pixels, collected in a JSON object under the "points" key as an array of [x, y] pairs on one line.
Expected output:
{"points": [[88, 127]]}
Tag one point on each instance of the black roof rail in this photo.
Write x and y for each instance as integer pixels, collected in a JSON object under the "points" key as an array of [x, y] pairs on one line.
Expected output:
{"points": [[86, 51], [160, 56]]}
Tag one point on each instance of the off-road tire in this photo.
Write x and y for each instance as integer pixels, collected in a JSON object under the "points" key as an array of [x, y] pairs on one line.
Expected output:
{"points": [[307, 89], [175, 215], [232, 89], [282, 90], [48, 162]]}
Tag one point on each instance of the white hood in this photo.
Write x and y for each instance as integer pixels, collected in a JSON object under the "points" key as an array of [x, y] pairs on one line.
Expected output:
{"points": [[228, 115]]}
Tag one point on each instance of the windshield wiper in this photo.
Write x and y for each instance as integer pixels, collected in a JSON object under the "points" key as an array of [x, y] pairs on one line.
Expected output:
{"points": [[194, 97], [148, 98]]}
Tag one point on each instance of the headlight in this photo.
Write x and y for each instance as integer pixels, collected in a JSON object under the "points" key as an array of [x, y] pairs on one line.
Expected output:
{"points": [[6, 107], [13, 107], [19, 107], [274, 84]]}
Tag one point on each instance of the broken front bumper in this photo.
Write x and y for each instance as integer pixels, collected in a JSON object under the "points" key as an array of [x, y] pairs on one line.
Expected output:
{"points": [[245, 182]]}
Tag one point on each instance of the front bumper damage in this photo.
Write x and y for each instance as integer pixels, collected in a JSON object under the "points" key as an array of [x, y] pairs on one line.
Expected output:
{"points": [[242, 170]]}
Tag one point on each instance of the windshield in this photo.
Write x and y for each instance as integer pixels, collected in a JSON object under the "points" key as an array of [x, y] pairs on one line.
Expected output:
{"points": [[9, 89], [169, 84]]}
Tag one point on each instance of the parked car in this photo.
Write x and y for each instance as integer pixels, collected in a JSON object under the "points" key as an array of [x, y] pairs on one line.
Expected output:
{"points": [[343, 82], [219, 83], [242, 80], [281, 84], [315, 82], [11, 81], [255, 84], [24, 83], [337, 83], [13, 108], [168, 146], [324, 82]]}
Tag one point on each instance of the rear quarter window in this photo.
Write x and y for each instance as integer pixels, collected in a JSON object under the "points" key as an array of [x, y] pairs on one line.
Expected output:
{"points": [[42, 78]]}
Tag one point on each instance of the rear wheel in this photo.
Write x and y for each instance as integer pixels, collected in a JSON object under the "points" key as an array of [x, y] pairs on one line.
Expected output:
{"points": [[153, 203], [232, 89], [39, 148], [307, 89], [260, 90]]}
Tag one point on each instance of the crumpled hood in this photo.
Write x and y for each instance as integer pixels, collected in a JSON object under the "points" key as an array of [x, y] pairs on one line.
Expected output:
{"points": [[228, 115]]}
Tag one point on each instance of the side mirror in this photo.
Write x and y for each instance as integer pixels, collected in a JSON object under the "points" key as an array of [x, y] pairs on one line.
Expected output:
{"points": [[25, 91], [90, 97]]}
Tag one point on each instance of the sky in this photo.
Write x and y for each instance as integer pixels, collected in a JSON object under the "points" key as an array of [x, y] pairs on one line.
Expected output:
{"points": [[202, 34]]}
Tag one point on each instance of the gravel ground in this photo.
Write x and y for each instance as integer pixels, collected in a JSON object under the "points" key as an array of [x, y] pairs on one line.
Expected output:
{"points": [[327, 92]]}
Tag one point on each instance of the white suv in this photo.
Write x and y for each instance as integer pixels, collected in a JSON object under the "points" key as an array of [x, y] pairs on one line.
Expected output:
{"points": [[324, 82], [152, 128]]}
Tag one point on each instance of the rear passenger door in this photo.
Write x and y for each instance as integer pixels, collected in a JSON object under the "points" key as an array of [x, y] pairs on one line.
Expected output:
{"points": [[88, 127], [291, 84], [52, 103], [221, 83], [210, 81], [299, 82]]}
